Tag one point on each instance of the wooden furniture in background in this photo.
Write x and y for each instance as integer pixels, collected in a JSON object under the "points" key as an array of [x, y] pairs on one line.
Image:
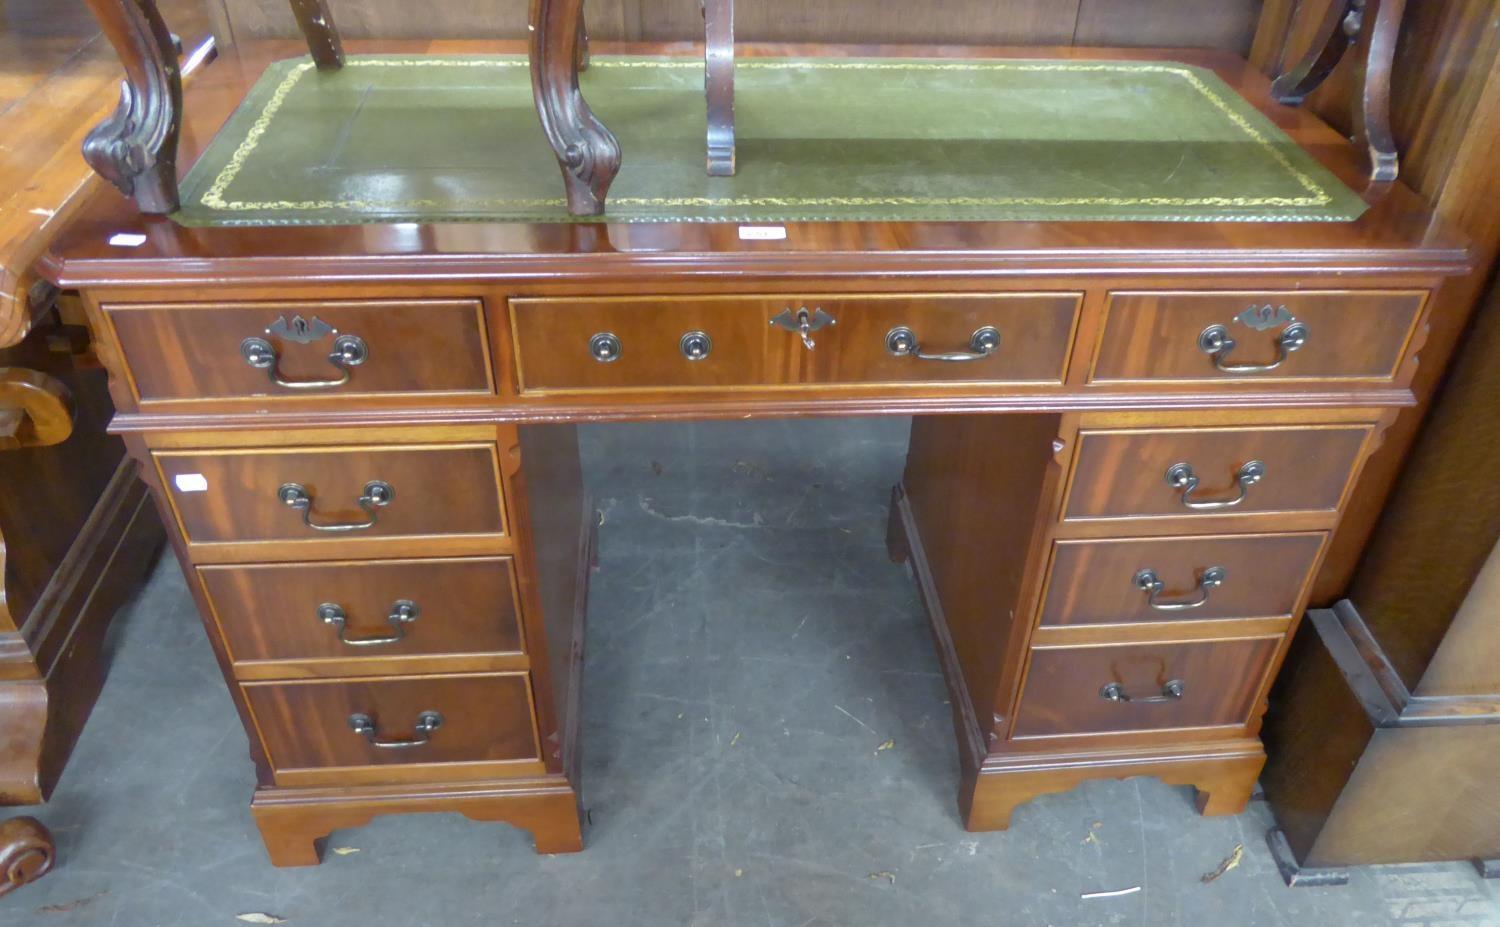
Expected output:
{"points": [[76, 534], [1077, 454], [1384, 729]]}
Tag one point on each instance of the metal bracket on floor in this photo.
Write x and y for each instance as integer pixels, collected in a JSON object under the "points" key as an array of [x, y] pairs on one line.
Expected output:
{"points": [[1293, 873]]}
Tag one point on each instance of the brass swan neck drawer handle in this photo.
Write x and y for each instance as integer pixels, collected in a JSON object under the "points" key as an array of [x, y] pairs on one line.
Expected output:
{"points": [[1180, 476], [1216, 342], [365, 726], [403, 612], [1148, 582], [804, 323], [377, 494], [348, 351], [1172, 691], [902, 342]]}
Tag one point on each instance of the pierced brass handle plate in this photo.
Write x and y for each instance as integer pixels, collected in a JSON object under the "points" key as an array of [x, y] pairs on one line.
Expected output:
{"points": [[365, 726], [377, 494], [403, 612], [1171, 691], [1148, 582], [902, 342], [1180, 476], [1217, 343], [349, 351]]}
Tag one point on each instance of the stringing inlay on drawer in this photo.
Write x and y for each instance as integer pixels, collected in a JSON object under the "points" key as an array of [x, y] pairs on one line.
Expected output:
{"points": [[1142, 687], [1156, 473], [375, 608], [800, 340], [1250, 335], [383, 722], [334, 493], [307, 349], [1125, 581]]}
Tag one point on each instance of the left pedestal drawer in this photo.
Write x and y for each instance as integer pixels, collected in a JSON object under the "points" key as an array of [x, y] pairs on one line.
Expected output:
{"points": [[346, 731], [397, 611], [349, 496]]}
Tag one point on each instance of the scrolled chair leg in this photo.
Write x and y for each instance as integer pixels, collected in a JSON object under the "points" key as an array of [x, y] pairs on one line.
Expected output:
{"points": [[26, 852]]}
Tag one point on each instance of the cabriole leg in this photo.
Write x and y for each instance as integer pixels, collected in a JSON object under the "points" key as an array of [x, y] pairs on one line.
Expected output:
{"points": [[321, 34], [586, 150], [1370, 27], [136, 147]]}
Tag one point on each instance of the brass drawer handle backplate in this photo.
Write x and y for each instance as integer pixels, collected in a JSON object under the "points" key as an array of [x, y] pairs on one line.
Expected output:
{"points": [[1148, 582], [1172, 691], [1216, 342], [427, 722], [403, 612], [348, 351], [902, 342], [377, 493], [1180, 476]]}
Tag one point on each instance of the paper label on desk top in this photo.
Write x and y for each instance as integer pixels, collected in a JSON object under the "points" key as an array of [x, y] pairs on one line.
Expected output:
{"points": [[127, 239], [191, 482], [762, 233]]}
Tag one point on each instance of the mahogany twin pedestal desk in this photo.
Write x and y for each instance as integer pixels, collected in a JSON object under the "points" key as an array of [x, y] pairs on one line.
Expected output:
{"points": [[363, 442]]}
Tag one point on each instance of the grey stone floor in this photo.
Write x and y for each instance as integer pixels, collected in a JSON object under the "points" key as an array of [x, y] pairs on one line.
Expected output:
{"points": [[751, 649]]}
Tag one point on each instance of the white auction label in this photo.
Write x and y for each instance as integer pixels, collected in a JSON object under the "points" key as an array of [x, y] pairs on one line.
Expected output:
{"points": [[191, 482], [762, 232]]}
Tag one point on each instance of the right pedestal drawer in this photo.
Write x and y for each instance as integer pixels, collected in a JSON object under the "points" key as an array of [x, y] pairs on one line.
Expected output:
{"points": [[1197, 472], [1115, 688], [1210, 336]]}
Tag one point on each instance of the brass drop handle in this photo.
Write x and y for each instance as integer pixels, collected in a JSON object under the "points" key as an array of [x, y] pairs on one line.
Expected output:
{"points": [[1216, 342], [427, 722], [902, 342], [804, 323], [1180, 476], [348, 351], [1148, 582], [1172, 691], [377, 494], [403, 612]]}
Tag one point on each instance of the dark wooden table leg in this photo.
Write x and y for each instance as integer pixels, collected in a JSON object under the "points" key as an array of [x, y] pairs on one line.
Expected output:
{"points": [[1370, 27], [320, 32], [26, 853], [136, 147], [586, 150], [582, 54], [718, 84]]}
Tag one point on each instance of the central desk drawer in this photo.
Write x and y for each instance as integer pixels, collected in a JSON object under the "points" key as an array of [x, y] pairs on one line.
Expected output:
{"points": [[1200, 472], [337, 724], [1142, 687], [303, 349], [366, 609], [736, 341], [327, 493], [1105, 582]]}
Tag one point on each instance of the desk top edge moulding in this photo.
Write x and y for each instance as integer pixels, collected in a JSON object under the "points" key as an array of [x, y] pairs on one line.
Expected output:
{"points": [[362, 435]]}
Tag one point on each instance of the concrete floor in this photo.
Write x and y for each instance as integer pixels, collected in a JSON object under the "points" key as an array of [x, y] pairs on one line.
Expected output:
{"points": [[751, 648]]}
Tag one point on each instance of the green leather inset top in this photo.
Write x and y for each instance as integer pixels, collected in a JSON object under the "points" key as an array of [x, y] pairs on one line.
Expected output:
{"points": [[422, 139]]}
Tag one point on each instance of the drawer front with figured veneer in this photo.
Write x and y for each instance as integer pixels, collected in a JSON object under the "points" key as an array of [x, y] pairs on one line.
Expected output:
{"points": [[1210, 336], [749, 341], [1116, 688], [481, 719], [334, 494], [1106, 582], [385, 609], [188, 352], [1156, 473]]}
